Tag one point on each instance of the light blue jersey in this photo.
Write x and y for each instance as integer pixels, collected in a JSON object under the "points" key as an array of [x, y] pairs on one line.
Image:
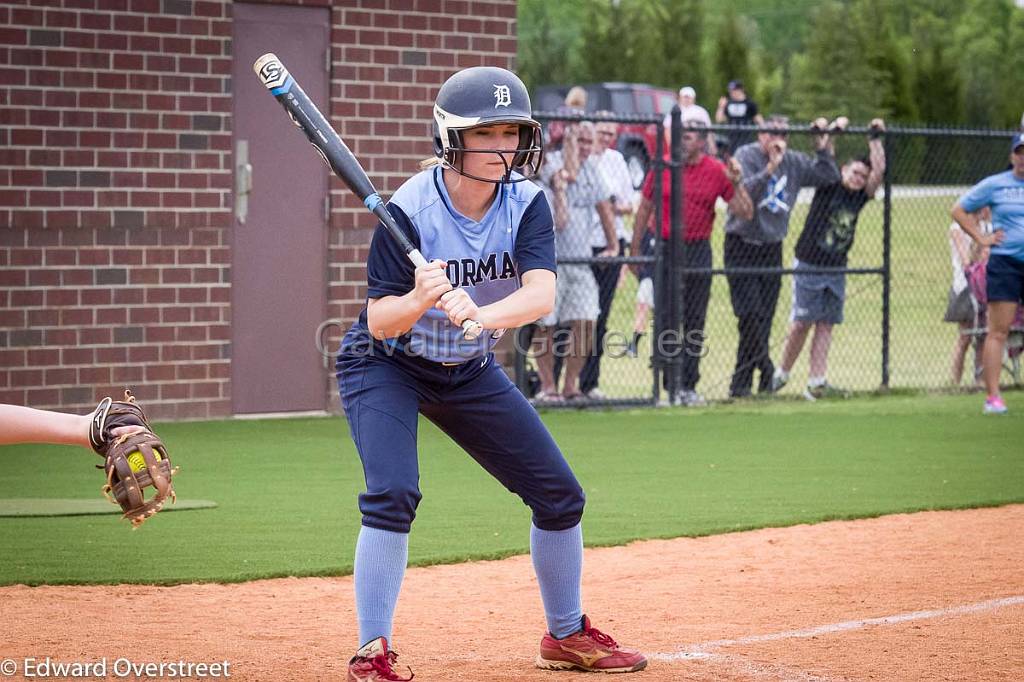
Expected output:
{"points": [[484, 258], [1004, 192]]}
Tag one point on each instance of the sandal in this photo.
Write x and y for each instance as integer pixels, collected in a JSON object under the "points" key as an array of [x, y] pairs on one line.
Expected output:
{"points": [[543, 397]]}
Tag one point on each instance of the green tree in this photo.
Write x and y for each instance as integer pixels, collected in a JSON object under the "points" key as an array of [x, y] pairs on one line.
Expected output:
{"points": [[831, 76], [937, 61], [549, 37], [981, 40], [887, 56], [617, 41], [681, 27], [781, 24], [655, 41], [938, 86], [731, 51], [598, 61], [1013, 79]]}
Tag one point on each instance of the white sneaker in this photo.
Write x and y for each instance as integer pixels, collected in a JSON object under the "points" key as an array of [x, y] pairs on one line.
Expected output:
{"points": [[825, 391], [778, 382], [596, 394], [690, 398]]}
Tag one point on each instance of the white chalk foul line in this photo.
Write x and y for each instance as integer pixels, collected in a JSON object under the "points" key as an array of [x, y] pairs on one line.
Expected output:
{"points": [[701, 650]]}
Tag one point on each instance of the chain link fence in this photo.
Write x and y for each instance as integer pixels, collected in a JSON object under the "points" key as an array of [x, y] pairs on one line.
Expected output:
{"points": [[685, 277]]}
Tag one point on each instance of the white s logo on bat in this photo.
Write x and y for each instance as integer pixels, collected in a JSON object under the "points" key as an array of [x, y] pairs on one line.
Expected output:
{"points": [[270, 70]]}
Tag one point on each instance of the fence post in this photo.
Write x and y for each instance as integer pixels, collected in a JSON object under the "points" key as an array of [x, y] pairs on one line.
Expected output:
{"points": [[886, 259], [674, 246], [658, 271]]}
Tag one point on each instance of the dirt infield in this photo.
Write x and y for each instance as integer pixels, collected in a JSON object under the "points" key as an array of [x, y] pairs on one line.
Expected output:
{"points": [[929, 596]]}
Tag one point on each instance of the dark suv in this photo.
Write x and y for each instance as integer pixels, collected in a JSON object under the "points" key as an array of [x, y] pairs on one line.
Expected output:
{"points": [[635, 141]]}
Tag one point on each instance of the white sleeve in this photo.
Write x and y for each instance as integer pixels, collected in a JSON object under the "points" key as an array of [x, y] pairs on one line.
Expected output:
{"points": [[624, 184], [603, 187]]}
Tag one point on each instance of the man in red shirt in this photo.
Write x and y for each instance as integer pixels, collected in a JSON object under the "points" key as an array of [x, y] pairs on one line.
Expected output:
{"points": [[705, 179]]}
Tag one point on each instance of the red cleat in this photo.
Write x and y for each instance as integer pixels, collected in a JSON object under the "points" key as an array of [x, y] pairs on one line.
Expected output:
{"points": [[589, 650], [373, 662]]}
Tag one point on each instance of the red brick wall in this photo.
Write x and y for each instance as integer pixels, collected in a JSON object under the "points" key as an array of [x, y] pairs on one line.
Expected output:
{"points": [[115, 181]]}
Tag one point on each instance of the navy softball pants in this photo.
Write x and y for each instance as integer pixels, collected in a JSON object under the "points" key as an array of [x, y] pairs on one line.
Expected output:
{"points": [[477, 405]]}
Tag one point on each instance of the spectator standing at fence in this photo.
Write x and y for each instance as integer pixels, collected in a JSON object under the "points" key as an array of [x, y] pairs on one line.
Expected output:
{"points": [[1004, 193], [735, 108], [772, 176], [691, 111], [612, 165], [705, 179], [825, 242], [575, 103], [962, 305], [578, 200]]}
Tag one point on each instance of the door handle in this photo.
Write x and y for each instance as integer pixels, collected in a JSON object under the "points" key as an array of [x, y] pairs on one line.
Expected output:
{"points": [[243, 180]]}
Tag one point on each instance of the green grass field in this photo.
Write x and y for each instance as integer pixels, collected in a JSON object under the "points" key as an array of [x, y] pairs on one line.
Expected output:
{"points": [[921, 342], [287, 489]]}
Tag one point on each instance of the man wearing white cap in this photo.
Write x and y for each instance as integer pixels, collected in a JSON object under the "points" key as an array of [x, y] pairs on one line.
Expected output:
{"points": [[691, 111]]}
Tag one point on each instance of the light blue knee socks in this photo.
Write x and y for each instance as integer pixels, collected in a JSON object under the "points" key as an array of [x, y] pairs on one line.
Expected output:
{"points": [[381, 556], [558, 561]]}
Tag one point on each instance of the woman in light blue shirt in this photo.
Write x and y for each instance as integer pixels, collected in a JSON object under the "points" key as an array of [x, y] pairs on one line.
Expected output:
{"points": [[1004, 193]]}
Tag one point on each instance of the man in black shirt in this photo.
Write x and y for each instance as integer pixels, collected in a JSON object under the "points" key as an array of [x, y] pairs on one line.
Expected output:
{"points": [[738, 109], [825, 243]]}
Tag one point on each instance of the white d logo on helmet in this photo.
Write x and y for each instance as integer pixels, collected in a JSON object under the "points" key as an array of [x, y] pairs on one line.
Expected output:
{"points": [[502, 96]]}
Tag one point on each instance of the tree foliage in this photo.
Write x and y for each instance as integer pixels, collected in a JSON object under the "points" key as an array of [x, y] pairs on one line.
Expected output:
{"points": [[913, 61], [937, 84], [549, 38], [831, 76], [732, 54], [681, 52]]}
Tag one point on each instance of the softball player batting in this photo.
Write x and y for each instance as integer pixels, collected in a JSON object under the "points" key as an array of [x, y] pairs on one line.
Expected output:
{"points": [[489, 238]]}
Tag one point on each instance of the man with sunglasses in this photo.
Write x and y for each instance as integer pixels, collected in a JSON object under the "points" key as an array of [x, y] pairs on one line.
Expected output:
{"points": [[772, 175], [705, 180], [612, 166]]}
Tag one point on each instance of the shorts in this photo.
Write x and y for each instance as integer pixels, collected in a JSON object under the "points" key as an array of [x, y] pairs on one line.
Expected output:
{"points": [[576, 296], [818, 297], [647, 248], [1004, 279], [960, 307]]}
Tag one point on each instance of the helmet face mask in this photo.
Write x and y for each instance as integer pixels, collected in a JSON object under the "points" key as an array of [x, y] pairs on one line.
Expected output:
{"points": [[486, 96]]}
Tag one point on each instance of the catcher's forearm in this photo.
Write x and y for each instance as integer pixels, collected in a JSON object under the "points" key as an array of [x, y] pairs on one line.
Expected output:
{"points": [[28, 425]]}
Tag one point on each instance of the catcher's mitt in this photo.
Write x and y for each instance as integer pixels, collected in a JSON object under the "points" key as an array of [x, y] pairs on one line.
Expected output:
{"points": [[134, 461]]}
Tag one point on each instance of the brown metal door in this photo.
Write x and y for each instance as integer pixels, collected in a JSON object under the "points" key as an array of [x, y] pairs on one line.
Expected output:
{"points": [[279, 240]]}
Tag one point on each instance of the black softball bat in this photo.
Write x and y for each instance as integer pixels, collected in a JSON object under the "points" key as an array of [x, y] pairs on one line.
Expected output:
{"points": [[337, 156]]}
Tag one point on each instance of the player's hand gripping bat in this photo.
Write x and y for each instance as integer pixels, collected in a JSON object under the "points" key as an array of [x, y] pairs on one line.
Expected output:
{"points": [[337, 156]]}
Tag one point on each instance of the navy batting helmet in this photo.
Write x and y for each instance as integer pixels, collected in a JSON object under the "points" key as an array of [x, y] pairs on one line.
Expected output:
{"points": [[481, 96]]}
